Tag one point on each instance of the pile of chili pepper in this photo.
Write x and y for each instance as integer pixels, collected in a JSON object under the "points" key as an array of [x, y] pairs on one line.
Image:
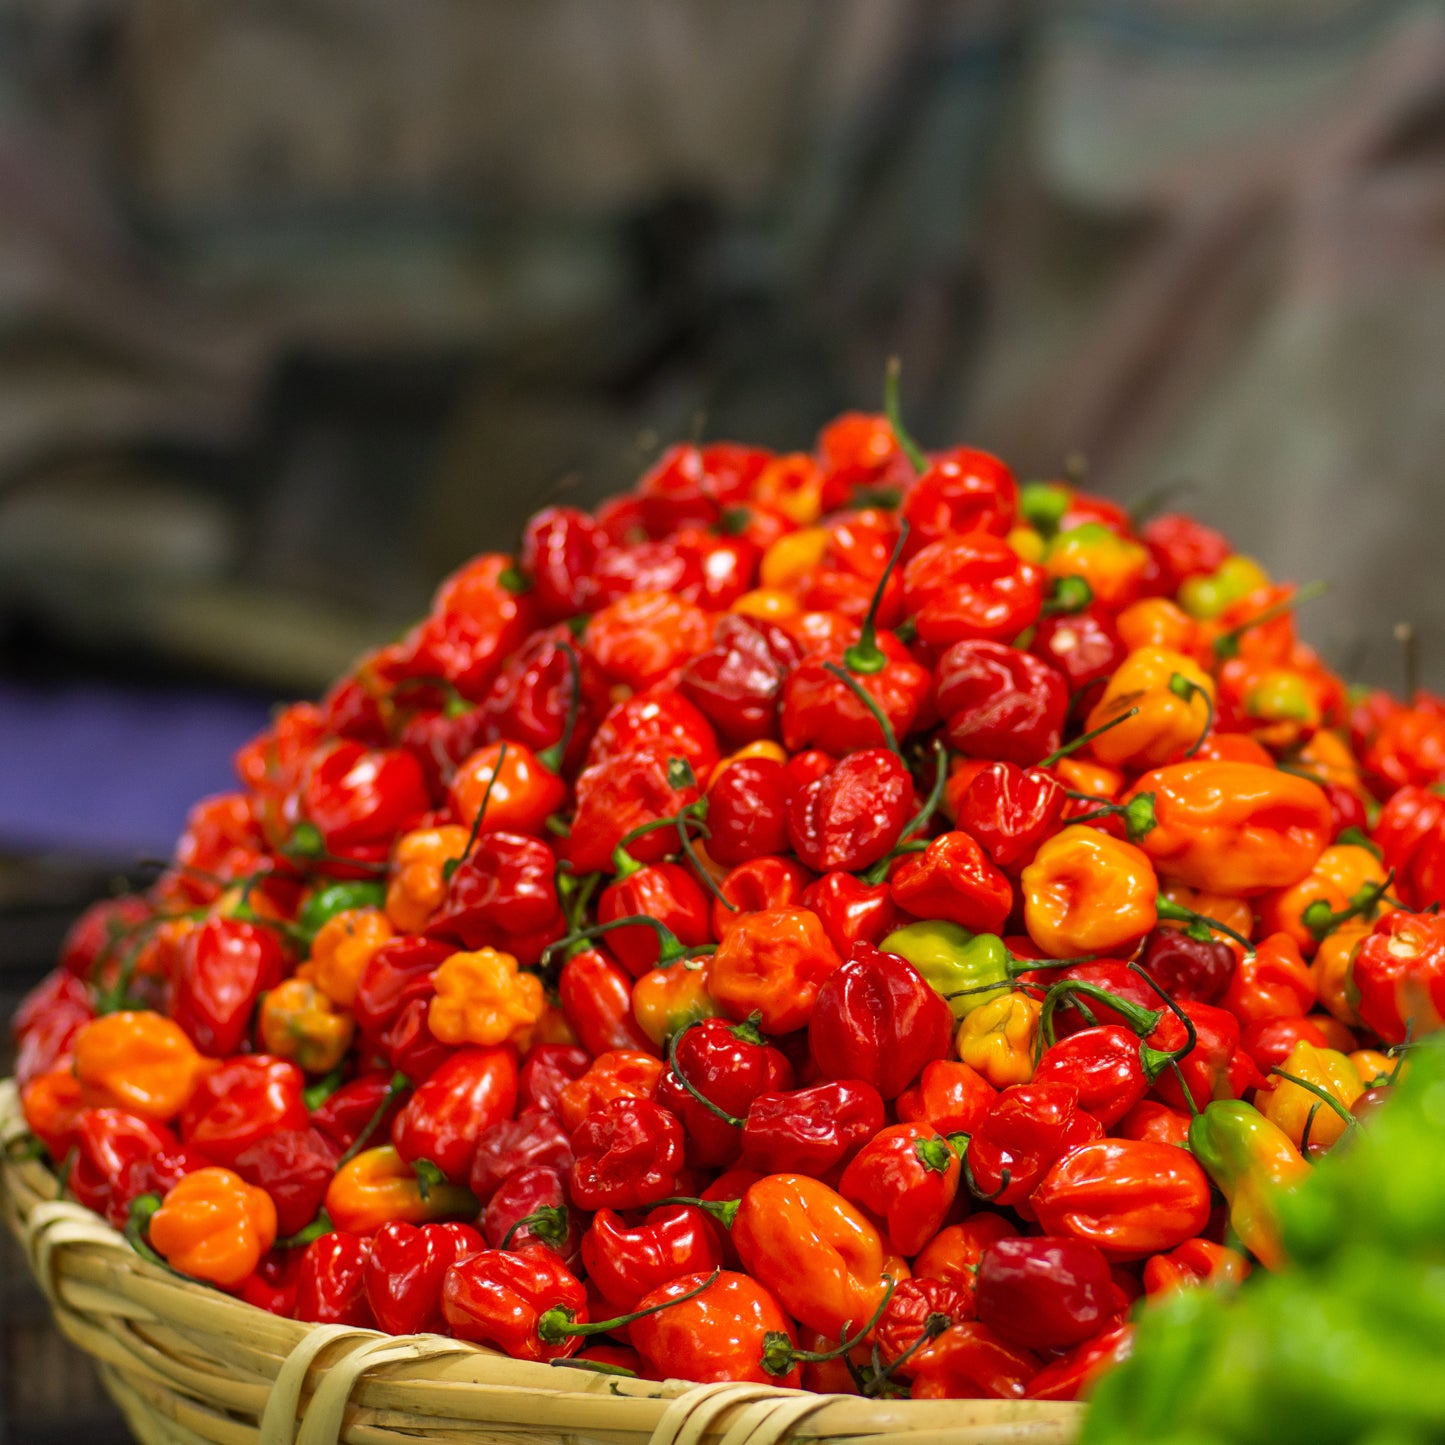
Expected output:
{"points": [[843, 919]]}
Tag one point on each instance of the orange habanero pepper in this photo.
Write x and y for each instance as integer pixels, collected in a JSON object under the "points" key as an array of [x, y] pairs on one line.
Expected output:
{"points": [[379, 1186], [1234, 828], [483, 998], [1347, 881], [1086, 892], [301, 1023], [214, 1226], [1171, 715], [419, 881], [772, 963], [342, 948], [138, 1061]]}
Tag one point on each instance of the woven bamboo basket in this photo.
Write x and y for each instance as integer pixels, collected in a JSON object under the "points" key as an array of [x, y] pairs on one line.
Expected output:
{"points": [[189, 1365]]}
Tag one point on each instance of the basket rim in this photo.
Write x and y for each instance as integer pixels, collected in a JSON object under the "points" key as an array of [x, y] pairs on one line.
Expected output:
{"points": [[160, 1331]]}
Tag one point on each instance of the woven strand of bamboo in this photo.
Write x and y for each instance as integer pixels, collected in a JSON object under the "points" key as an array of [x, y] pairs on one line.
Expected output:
{"points": [[188, 1365]]}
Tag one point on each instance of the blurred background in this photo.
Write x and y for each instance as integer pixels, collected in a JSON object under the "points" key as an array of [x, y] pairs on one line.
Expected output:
{"points": [[303, 303]]}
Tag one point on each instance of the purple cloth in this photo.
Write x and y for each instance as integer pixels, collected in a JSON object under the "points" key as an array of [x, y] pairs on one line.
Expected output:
{"points": [[102, 771]]}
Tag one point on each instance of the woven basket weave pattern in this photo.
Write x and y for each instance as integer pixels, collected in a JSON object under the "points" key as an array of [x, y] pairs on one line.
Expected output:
{"points": [[190, 1366]]}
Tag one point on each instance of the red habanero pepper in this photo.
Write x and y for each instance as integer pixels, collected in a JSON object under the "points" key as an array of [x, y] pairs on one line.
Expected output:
{"points": [[851, 815], [820, 710], [530, 1210], [519, 790], [626, 1262], [1029, 1127], [621, 794], [1105, 974], [560, 546], [1010, 811], [331, 1282], [658, 717], [953, 1254], [406, 1269], [1109, 1065], [510, 1145], [295, 1167], [643, 634], [94, 936], [240, 1103], [1085, 646], [502, 895], [546, 1070], [616, 1074], [1149, 1119], [963, 490], [666, 892], [398, 973], [971, 587], [759, 884], [356, 800], [107, 1143], [1187, 967], [1129, 1197], [737, 683], [595, 992], [917, 1312], [970, 1362], [878, 1020], [345, 1114], [720, 1333], [499, 1298], [773, 963], [906, 1176], [950, 1095], [820, 1256], [747, 807], [1215, 1067], [1072, 1375], [46, 1023], [272, 1287], [225, 967], [1000, 703], [1182, 548], [811, 1131], [1272, 982], [729, 1065], [1046, 1294], [1398, 974], [626, 1154], [1269, 1042], [1195, 1262], [851, 910], [952, 878], [468, 1093]]}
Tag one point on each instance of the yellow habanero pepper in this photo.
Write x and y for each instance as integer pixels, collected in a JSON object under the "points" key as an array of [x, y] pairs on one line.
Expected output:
{"points": [[419, 879], [301, 1023], [482, 998], [1346, 882], [1289, 1106], [791, 485], [1158, 622], [342, 948], [1331, 970], [1173, 695], [1112, 565], [999, 1038], [1087, 892], [792, 557]]}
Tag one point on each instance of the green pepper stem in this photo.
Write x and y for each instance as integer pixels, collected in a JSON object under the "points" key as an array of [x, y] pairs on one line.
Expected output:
{"points": [[1226, 645], [1321, 920], [1322, 1094], [933, 1326], [1155, 1061], [692, 1088], [708, 881], [319, 1226], [550, 1224], [1137, 813], [1185, 688], [865, 655], [556, 1324], [553, 757], [450, 867], [670, 948], [722, 1210], [1309, 1124], [1177, 913], [596, 1367], [892, 409], [1142, 1020], [868, 701], [780, 1355], [1070, 595], [399, 1081], [1087, 737]]}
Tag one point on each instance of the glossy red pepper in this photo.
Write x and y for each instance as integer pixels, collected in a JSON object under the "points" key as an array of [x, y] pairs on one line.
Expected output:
{"points": [[1029, 1127], [970, 1362], [331, 1282], [626, 1154], [406, 1269], [621, 794], [657, 717], [730, 1065], [1195, 1262], [971, 587], [950, 1095], [851, 910], [240, 1103], [46, 1023], [906, 1176], [530, 1209], [1187, 967], [546, 1070], [952, 878], [472, 1090], [757, 885], [1398, 972], [356, 800], [627, 1262], [502, 895], [510, 1145], [878, 1020], [953, 1254], [1046, 1294], [666, 892], [499, 1298], [107, 1143], [1000, 703], [595, 992], [1084, 646], [225, 967], [811, 1131], [1010, 811], [295, 1167], [820, 710], [851, 815], [344, 1114], [1072, 1375], [747, 807], [738, 682]]}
